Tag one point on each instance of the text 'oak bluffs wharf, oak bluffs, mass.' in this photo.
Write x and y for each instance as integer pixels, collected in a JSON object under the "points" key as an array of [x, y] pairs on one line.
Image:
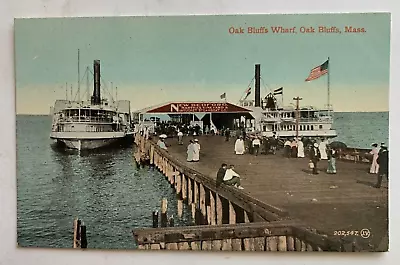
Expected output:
{"points": [[295, 30], [261, 176]]}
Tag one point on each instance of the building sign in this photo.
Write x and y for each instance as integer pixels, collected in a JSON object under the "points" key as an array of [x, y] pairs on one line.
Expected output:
{"points": [[199, 107], [204, 107]]}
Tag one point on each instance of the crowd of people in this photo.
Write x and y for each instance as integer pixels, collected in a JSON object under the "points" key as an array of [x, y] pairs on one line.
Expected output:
{"points": [[314, 149]]}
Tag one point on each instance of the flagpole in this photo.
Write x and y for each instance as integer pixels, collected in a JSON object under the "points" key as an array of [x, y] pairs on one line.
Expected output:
{"points": [[329, 91]]}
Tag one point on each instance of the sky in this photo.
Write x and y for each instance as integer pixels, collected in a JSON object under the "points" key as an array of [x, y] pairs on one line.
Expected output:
{"points": [[194, 58]]}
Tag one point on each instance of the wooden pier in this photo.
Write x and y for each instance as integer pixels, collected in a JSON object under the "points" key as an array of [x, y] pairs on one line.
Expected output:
{"points": [[342, 209]]}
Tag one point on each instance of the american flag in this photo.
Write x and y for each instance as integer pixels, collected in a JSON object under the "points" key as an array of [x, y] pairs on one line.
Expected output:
{"points": [[318, 71]]}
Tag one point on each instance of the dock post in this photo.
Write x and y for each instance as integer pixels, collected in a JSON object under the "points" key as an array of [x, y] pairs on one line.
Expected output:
{"points": [[195, 194], [155, 219], [190, 191], [178, 181], [203, 208], [180, 208], [184, 187], [212, 209], [232, 214], [83, 236], [164, 218], [219, 210], [75, 232], [151, 154]]}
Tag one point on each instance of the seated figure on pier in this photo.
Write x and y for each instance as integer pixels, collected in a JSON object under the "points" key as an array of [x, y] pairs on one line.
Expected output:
{"points": [[232, 178], [221, 174], [161, 144]]}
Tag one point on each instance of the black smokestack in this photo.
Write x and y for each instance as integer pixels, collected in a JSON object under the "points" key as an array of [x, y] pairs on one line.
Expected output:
{"points": [[96, 99], [257, 88]]}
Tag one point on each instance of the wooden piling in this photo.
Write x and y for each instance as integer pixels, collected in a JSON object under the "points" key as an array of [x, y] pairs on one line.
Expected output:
{"points": [[164, 218], [180, 208], [75, 233], [184, 187], [219, 210], [232, 214], [190, 191], [211, 212], [282, 245], [155, 219], [178, 181], [196, 194], [202, 198], [152, 155], [290, 243], [83, 236]]}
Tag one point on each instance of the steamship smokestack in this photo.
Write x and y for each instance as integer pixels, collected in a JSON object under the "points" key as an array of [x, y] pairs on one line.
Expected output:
{"points": [[96, 99], [257, 88]]}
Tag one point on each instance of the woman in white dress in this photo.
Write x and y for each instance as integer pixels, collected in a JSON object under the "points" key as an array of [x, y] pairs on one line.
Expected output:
{"points": [[190, 151], [239, 146], [322, 150], [300, 148], [196, 150]]}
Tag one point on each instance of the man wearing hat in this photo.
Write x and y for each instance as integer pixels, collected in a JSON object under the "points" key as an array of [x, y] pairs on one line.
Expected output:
{"points": [[196, 151], [315, 156], [375, 153], [383, 161]]}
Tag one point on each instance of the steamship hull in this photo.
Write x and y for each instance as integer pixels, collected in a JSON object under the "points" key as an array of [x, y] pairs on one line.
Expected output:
{"points": [[89, 142]]}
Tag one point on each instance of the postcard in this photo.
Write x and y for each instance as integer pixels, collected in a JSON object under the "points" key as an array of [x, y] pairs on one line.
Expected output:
{"points": [[222, 133]]}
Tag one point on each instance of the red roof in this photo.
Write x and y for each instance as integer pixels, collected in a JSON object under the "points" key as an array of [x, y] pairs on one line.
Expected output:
{"points": [[193, 107]]}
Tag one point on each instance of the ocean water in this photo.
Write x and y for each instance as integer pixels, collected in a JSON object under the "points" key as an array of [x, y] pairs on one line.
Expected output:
{"points": [[361, 129], [106, 190]]}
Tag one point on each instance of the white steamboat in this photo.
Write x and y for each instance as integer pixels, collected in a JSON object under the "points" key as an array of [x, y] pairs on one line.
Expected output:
{"points": [[286, 122], [93, 123]]}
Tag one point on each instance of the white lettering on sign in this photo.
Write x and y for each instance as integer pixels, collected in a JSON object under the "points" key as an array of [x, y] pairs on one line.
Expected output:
{"points": [[174, 108]]}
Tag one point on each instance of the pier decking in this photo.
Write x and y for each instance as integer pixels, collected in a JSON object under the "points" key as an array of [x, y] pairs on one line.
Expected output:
{"points": [[344, 203]]}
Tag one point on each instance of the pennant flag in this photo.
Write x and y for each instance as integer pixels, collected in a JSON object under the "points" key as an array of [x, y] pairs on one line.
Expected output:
{"points": [[223, 96], [318, 71], [248, 91], [278, 91]]}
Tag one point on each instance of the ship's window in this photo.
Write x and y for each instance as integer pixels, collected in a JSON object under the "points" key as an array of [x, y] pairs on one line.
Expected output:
{"points": [[320, 127], [264, 128], [308, 127], [312, 127]]}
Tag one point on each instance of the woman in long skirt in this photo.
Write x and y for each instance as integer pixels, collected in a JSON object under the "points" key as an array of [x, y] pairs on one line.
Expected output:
{"points": [[331, 161]]}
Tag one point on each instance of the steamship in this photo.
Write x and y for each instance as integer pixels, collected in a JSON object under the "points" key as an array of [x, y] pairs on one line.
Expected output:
{"points": [[91, 124], [286, 121]]}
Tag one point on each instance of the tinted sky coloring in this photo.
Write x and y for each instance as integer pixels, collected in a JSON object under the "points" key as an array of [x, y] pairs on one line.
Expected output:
{"points": [[157, 59]]}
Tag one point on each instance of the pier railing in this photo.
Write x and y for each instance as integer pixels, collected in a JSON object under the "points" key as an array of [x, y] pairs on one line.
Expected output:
{"points": [[273, 236], [224, 209]]}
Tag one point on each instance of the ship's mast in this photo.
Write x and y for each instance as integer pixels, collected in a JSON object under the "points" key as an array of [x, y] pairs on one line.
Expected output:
{"points": [[87, 83], [79, 80], [297, 115]]}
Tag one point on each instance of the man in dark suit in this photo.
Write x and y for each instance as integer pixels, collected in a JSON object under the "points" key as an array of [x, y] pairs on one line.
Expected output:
{"points": [[220, 174], [383, 161]]}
